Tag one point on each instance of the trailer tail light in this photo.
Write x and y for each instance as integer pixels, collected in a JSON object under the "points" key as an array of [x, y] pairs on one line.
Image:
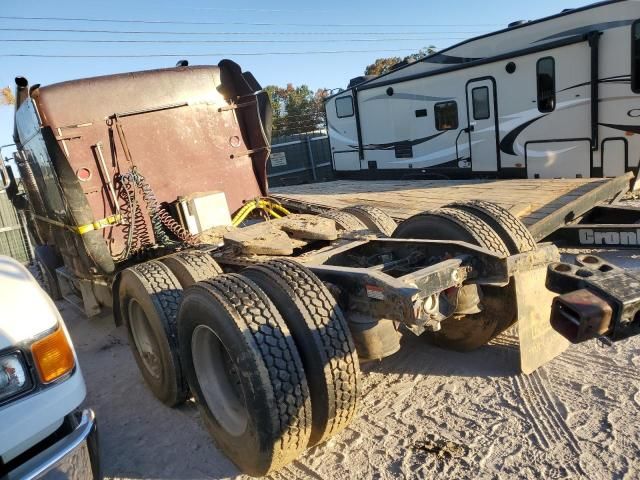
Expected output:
{"points": [[53, 356]]}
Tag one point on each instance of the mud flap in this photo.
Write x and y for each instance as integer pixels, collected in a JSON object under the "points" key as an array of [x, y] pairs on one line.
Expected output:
{"points": [[539, 342]]}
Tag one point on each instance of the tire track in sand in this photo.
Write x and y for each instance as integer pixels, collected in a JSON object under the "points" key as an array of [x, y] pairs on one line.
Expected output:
{"points": [[296, 469], [577, 359], [549, 427]]}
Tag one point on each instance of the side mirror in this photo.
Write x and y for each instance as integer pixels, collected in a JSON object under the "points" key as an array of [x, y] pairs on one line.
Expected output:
{"points": [[5, 179]]}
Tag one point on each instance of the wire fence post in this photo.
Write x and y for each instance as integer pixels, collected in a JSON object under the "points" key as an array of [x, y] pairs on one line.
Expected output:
{"points": [[311, 159]]}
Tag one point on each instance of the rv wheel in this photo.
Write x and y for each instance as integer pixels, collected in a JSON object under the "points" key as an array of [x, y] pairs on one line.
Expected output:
{"points": [[193, 266], [345, 221], [245, 372], [148, 299], [376, 220], [322, 336], [465, 332]]}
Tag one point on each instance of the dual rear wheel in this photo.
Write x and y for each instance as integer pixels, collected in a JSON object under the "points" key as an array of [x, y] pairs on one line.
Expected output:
{"points": [[267, 354], [489, 226], [270, 359]]}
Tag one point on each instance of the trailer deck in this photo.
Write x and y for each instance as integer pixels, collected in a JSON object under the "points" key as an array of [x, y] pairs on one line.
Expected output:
{"points": [[542, 204]]}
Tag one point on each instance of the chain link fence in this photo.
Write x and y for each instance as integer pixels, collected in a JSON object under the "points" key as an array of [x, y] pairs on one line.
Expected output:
{"points": [[15, 240], [300, 158]]}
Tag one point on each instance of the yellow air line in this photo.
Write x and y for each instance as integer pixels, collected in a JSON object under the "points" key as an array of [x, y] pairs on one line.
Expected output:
{"points": [[273, 209]]}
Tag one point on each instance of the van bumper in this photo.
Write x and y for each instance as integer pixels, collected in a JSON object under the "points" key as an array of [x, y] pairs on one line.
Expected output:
{"points": [[73, 457]]}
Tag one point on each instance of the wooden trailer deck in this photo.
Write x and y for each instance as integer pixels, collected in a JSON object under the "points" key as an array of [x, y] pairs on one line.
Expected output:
{"points": [[543, 205]]}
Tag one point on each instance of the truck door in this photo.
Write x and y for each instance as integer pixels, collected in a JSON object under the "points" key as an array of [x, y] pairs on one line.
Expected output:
{"points": [[482, 118]]}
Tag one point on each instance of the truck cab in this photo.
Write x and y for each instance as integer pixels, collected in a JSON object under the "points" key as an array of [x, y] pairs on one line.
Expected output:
{"points": [[43, 433]]}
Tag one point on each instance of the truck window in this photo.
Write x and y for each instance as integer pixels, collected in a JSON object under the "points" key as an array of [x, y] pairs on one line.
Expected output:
{"points": [[446, 115], [344, 107], [546, 80], [635, 57], [480, 101]]}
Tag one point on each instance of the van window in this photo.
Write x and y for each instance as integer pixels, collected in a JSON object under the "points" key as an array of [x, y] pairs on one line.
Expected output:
{"points": [[344, 107], [635, 57], [480, 101], [546, 79], [446, 115]]}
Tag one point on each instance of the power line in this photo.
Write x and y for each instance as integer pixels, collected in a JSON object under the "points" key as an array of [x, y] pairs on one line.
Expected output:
{"points": [[269, 24], [163, 32], [324, 40], [212, 54]]}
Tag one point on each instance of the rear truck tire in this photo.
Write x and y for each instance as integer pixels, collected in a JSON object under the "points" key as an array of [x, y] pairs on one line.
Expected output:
{"points": [[463, 332], [514, 234], [190, 267], [148, 299], [376, 220], [344, 220], [245, 372], [511, 230], [322, 336], [45, 262]]}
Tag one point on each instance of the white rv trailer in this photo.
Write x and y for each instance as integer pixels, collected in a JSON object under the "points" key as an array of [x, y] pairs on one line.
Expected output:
{"points": [[555, 97]]}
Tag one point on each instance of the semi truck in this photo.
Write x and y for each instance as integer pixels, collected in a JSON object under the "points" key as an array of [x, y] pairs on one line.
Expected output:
{"points": [[147, 195]]}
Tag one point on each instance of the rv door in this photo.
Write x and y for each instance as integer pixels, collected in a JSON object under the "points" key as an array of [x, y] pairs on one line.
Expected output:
{"points": [[343, 132], [483, 133]]}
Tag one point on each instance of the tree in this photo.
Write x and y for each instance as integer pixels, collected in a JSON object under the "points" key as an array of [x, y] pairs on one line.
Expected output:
{"points": [[296, 109], [384, 65], [7, 98], [381, 65]]}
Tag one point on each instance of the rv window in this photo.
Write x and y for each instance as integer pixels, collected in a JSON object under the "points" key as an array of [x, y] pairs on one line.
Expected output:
{"points": [[446, 115], [635, 57], [344, 107], [480, 100], [546, 73]]}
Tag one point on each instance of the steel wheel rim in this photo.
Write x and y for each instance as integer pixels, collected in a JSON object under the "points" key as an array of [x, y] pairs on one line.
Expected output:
{"points": [[219, 381], [144, 339]]}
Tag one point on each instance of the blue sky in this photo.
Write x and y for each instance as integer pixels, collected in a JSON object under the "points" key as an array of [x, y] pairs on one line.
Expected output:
{"points": [[402, 26]]}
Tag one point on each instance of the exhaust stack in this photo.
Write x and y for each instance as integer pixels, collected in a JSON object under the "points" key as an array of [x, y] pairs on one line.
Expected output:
{"points": [[22, 93]]}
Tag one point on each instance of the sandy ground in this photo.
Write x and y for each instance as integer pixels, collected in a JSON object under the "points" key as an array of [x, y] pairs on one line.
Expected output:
{"points": [[424, 413]]}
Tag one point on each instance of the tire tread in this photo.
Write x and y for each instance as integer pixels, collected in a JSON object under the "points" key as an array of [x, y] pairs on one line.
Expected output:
{"points": [[374, 218], [258, 316], [166, 293], [514, 232], [332, 337]]}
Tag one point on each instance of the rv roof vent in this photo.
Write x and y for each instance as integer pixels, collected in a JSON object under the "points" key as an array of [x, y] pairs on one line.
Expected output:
{"points": [[517, 23]]}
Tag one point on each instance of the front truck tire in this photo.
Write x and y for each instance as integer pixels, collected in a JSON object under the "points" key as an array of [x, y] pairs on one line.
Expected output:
{"points": [[148, 299], [465, 332], [322, 336], [45, 262], [245, 372]]}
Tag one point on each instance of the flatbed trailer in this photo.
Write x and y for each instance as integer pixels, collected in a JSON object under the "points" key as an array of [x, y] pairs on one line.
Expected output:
{"points": [[543, 205]]}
